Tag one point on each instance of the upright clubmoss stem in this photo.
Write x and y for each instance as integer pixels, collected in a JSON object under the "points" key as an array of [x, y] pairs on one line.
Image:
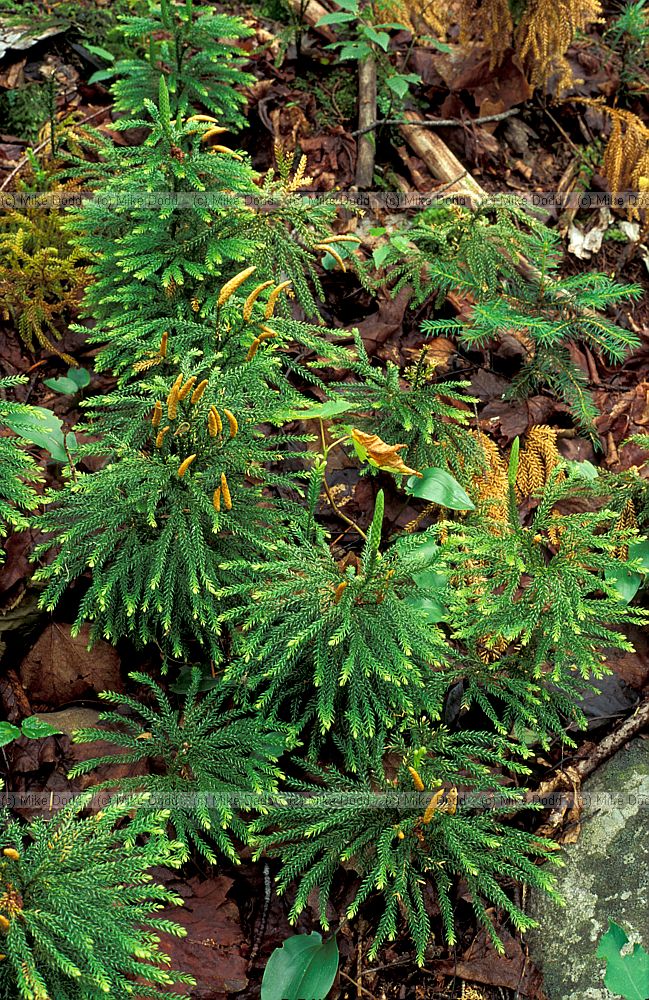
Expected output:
{"points": [[325, 451]]}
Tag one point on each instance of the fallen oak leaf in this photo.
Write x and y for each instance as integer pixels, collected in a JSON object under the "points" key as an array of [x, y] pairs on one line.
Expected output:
{"points": [[370, 447]]}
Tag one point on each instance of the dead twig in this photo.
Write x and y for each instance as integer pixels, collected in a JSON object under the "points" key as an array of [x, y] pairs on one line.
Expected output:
{"points": [[439, 159], [362, 989], [618, 738], [42, 145], [309, 14], [570, 779], [436, 122]]}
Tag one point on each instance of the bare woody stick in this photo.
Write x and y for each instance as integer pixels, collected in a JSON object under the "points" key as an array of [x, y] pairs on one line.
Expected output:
{"points": [[366, 117]]}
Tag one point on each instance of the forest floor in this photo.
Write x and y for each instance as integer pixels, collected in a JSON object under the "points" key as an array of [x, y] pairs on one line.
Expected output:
{"points": [[307, 103]]}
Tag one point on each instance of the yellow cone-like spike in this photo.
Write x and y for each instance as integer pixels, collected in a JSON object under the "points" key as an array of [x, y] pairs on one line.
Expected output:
{"points": [[214, 422], [231, 286], [187, 388], [232, 421], [418, 783], [252, 298], [252, 350], [161, 436], [225, 492], [432, 806], [273, 297], [226, 152], [217, 130], [184, 465], [199, 390], [334, 253]]}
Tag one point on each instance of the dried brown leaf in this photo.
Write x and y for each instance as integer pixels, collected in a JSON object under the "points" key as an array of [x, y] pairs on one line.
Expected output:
{"points": [[386, 456]]}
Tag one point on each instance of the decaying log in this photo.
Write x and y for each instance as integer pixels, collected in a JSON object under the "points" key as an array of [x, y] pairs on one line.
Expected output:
{"points": [[442, 163], [310, 14]]}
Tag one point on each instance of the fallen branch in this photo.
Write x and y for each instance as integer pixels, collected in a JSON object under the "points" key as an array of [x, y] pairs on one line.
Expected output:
{"points": [[441, 162], [42, 145], [309, 14], [570, 779], [438, 122], [615, 740]]}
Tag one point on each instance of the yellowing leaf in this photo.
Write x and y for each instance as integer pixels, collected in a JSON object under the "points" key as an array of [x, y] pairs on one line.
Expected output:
{"points": [[386, 456]]}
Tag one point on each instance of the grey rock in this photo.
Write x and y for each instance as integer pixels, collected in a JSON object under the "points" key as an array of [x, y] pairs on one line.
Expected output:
{"points": [[606, 875], [70, 719], [518, 134]]}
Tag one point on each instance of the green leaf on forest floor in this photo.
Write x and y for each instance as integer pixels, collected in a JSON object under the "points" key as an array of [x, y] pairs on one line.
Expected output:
{"points": [[627, 582], [70, 384], [438, 486], [322, 411], [32, 727], [44, 429], [626, 975], [303, 966]]}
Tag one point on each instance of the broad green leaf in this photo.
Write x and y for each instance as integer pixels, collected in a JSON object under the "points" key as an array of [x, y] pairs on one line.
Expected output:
{"points": [[182, 684], [8, 733], [355, 50], [434, 43], [585, 469], [322, 411], [438, 486], [639, 551], [338, 17], [35, 729], [401, 243], [431, 580], [380, 254], [303, 967], [626, 975], [433, 610], [101, 75], [625, 582], [62, 384], [102, 53], [42, 428], [79, 375], [380, 38], [398, 85], [426, 548]]}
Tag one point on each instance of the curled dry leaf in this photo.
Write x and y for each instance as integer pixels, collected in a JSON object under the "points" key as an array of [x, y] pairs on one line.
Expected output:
{"points": [[386, 456]]}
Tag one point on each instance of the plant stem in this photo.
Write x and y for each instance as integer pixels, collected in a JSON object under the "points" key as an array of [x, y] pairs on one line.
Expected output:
{"points": [[366, 118], [334, 506]]}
